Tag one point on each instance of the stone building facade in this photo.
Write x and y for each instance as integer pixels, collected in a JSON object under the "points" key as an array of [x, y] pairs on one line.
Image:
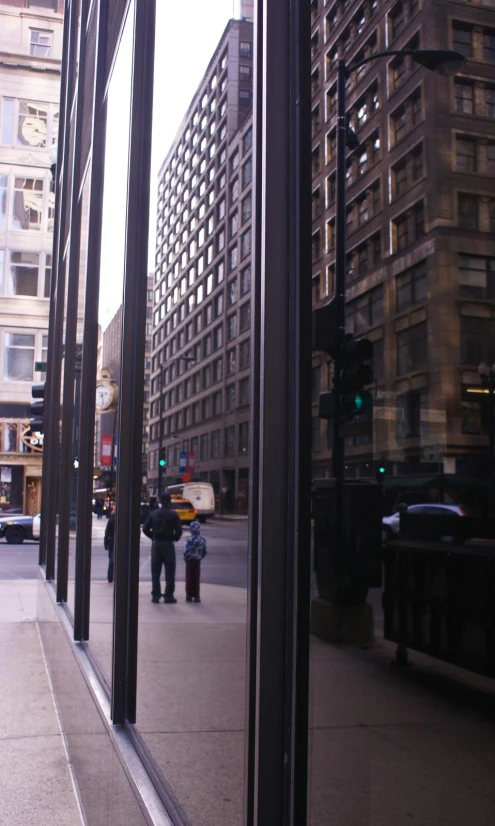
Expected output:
{"points": [[203, 278], [30, 64], [420, 228]]}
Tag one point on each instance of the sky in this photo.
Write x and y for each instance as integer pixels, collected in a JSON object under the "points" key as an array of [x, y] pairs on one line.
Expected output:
{"points": [[187, 34]]}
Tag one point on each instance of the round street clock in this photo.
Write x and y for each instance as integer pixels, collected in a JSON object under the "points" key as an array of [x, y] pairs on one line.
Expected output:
{"points": [[107, 392]]}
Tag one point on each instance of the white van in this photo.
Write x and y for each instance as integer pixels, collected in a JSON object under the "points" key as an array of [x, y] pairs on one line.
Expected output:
{"points": [[200, 494]]}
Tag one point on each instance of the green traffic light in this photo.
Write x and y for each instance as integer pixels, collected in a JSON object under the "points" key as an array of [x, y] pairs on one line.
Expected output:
{"points": [[381, 469], [162, 462]]}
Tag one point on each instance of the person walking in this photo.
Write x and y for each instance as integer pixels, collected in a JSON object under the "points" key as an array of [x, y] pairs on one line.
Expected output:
{"points": [[194, 552], [108, 544], [99, 509], [163, 527]]}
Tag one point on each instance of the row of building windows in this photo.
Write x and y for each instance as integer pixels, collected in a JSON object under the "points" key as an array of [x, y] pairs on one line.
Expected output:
{"points": [[209, 446], [234, 396], [236, 359]]}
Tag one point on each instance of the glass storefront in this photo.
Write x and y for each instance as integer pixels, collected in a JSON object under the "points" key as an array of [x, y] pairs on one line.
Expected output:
{"points": [[308, 334]]}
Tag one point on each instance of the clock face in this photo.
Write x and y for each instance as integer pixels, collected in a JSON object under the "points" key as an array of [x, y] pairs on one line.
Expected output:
{"points": [[104, 396]]}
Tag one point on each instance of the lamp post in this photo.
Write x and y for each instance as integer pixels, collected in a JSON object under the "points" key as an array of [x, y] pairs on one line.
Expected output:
{"points": [[444, 61], [161, 468], [487, 376]]}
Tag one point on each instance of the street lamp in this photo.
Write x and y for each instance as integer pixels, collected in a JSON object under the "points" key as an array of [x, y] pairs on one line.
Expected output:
{"points": [[161, 461], [444, 61]]}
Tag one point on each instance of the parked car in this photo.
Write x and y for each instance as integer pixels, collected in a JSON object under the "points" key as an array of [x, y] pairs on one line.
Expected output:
{"points": [[391, 524], [15, 529]]}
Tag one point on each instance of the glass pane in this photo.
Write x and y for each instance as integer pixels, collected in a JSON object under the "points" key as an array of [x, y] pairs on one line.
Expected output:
{"points": [[188, 650], [112, 269], [399, 569]]}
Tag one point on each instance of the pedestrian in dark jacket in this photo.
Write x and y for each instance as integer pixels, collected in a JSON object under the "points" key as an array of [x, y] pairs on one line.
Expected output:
{"points": [[194, 552], [108, 543], [163, 527]]}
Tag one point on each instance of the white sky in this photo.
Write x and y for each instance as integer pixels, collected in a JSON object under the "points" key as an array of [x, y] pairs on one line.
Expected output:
{"points": [[187, 34]]}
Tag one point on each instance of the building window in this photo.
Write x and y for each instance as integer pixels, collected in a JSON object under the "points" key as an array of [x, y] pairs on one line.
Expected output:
{"points": [[243, 438], [232, 292], [229, 441], [244, 97], [489, 44], [230, 398], [246, 206], [365, 311], [408, 227], [411, 286], [245, 317], [245, 48], [468, 211], [412, 348], [247, 173], [465, 153], [244, 354], [28, 203], [231, 327], [477, 340], [462, 38], [231, 362], [246, 280], [23, 274], [244, 391], [245, 244], [19, 357], [412, 415], [245, 73], [464, 97], [40, 43], [247, 140], [215, 444], [476, 276]]}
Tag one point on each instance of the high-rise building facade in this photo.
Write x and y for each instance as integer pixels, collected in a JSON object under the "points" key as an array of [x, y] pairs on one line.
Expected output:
{"points": [[201, 318], [420, 203], [30, 63]]}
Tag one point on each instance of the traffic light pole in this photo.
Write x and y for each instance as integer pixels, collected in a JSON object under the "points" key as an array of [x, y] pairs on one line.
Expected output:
{"points": [[160, 429], [340, 251]]}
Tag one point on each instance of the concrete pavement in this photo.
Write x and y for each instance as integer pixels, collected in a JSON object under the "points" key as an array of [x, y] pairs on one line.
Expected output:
{"points": [[387, 746], [36, 782]]}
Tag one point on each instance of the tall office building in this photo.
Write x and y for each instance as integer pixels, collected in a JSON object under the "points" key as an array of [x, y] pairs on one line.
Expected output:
{"points": [[420, 222], [202, 281], [30, 65]]}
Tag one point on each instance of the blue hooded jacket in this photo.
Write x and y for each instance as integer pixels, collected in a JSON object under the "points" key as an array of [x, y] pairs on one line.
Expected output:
{"points": [[195, 547]]}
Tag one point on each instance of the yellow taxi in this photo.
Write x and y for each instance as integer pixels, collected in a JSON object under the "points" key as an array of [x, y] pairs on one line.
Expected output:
{"points": [[185, 510]]}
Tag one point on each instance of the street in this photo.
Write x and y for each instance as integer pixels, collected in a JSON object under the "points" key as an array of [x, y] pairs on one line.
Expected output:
{"points": [[225, 564]]}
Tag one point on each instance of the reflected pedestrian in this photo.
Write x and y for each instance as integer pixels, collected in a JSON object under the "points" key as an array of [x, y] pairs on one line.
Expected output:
{"points": [[163, 527], [194, 552], [108, 543]]}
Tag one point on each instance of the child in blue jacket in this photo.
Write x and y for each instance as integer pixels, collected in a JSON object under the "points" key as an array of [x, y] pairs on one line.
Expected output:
{"points": [[194, 552]]}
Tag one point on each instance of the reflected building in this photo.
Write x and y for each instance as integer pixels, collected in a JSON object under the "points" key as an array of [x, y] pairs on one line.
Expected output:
{"points": [[202, 281], [30, 65], [420, 223]]}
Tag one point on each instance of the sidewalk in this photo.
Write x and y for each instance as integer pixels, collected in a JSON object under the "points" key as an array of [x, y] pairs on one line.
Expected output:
{"points": [[36, 785]]}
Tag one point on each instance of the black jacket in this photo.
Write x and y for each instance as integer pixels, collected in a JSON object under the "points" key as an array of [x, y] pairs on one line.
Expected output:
{"points": [[164, 524], [109, 534]]}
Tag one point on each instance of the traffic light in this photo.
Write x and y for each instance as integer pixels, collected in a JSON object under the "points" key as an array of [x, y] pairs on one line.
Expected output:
{"points": [[355, 375], [162, 457], [381, 471], [37, 409]]}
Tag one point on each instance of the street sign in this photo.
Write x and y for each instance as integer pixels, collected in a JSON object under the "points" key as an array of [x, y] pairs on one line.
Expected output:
{"points": [[183, 462], [191, 461]]}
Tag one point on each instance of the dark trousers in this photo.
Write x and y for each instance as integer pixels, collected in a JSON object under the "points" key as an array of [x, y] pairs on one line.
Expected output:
{"points": [[162, 553], [110, 565], [193, 574]]}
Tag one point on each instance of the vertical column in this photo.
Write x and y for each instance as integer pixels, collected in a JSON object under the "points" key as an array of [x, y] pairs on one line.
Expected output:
{"points": [[127, 524], [280, 549]]}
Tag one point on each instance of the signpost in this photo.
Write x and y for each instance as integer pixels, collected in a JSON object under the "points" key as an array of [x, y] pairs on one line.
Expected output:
{"points": [[191, 462], [183, 462]]}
